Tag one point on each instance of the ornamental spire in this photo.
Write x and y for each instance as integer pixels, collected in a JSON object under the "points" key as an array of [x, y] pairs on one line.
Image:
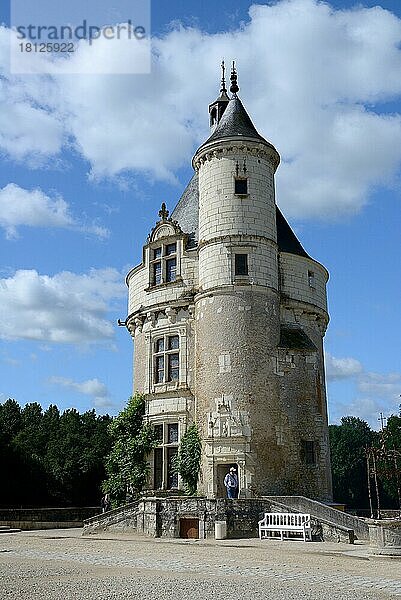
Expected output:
{"points": [[223, 89], [234, 83]]}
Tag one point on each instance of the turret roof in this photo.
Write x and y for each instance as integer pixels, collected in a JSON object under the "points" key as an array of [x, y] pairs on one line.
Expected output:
{"points": [[235, 122]]}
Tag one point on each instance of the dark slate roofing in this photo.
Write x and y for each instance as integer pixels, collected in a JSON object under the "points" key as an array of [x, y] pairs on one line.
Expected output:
{"points": [[286, 239], [295, 338], [234, 122], [186, 213]]}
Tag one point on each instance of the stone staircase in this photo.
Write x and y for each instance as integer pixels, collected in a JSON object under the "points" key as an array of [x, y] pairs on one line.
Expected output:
{"points": [[121, 518], [161, 517], [324, 512]]}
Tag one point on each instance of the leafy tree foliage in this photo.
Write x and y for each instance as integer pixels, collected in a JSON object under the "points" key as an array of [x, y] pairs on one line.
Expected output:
{"points": [[127, 468], [188, 459], [390, 462], [52, 459], [348, 462]]}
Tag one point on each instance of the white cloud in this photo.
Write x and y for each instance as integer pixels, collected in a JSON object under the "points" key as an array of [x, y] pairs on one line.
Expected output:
{"points": [[91, 387], [313, 79], [364, 407], [65, 308], [372, 392], [382, 386], [30, 129], [33, 208], [341, 368]]}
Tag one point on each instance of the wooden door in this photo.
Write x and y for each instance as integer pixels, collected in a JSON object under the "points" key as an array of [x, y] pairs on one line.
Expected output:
{"points": [[189, 528]]}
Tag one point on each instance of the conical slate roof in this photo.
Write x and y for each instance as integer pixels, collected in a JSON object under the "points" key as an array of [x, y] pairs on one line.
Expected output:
{"points": [[235, 122], [287, 241], [186, 211]]}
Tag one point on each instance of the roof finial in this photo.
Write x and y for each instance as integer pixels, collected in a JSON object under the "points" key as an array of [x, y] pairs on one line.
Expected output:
{"points": [[163, 212], [223, 88], [234, 84]]}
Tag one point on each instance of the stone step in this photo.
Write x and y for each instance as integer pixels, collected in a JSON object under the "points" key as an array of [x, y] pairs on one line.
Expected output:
{"points": [[6, 529]]}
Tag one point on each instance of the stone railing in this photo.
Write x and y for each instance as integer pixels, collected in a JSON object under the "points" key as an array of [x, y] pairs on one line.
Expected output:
{"points": [[323, 511]]}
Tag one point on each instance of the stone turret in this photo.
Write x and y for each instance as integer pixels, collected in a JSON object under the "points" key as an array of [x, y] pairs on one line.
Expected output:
{"points": [[228, 313]]}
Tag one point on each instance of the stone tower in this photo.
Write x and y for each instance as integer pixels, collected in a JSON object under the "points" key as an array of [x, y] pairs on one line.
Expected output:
{"points": [[228, 313]]}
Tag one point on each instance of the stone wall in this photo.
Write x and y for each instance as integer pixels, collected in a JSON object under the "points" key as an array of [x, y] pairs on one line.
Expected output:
{"points": [[221, 211], [385, 537], [240, 328], [161, 517], [303, 279], [46, 518]]}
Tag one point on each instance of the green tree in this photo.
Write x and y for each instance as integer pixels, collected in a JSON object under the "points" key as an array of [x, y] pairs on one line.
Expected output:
{"points": [[75, 457], [391, 461], [188, 459], [127, 468], [10, 421], [10, 461], [30, 445], [51, 459], [347, 445]]}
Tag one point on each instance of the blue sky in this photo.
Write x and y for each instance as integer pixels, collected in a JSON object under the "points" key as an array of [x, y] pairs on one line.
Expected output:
{"points": [[87, 160]]}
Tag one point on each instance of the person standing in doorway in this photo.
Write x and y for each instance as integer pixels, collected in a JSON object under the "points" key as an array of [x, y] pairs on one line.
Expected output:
{"points": [[231, 483]]}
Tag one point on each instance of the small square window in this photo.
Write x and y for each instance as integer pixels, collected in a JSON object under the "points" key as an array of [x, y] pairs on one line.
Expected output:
{"points": [[173, 342], [160, 345], [159, 433], [241, 264], [157, 273], [171, 269], [173, 367], [308, 452], [171, 248], [241, 187], [172, 475], [172, 433], [159, 369]]}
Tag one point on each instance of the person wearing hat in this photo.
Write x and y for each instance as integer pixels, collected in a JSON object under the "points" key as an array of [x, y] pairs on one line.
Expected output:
{"points": [[231, 483]]}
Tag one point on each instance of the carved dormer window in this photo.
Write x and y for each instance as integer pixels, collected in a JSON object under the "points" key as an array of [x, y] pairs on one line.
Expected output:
{"points": [[163, 263], [165, 247]]}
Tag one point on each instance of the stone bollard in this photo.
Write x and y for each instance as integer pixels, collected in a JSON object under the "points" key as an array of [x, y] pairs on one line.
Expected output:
{"points": [[385, 537]]}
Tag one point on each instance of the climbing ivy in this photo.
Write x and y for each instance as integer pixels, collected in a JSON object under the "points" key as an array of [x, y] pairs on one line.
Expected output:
{"points": [[187, 462], [127, 468]]}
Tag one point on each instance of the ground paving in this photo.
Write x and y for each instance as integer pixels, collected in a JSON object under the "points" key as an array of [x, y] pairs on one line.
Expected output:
{"points": [[64, 565]]}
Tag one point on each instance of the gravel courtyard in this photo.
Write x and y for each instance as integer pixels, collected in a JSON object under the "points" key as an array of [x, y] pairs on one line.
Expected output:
{"points": [[64, 565]]}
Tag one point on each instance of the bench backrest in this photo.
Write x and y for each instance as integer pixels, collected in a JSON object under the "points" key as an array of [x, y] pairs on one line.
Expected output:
{"points": [[284, 519]]}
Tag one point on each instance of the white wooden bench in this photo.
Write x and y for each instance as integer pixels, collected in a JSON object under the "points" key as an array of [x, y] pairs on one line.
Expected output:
{"points": [[285, 523]]}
